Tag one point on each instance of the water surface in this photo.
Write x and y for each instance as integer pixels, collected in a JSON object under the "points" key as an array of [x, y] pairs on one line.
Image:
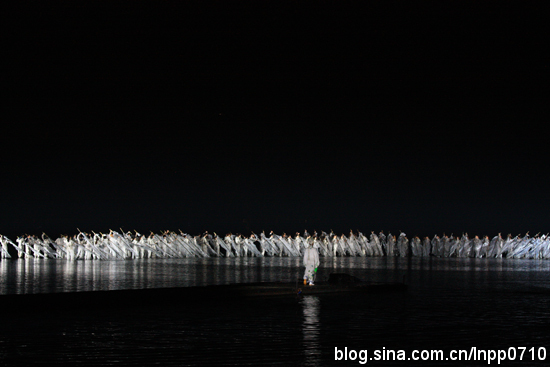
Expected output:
{"points": [[450, 304]]}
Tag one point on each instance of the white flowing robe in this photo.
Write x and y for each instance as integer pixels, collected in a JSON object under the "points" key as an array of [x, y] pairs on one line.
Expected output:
{"points": [[311, 261]]}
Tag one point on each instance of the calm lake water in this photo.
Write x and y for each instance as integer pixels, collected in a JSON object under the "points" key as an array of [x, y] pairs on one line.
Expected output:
{"points": [[450, 304]]}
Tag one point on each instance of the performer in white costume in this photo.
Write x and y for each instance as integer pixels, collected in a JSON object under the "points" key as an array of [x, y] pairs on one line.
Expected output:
{"points": [[311, 262]]}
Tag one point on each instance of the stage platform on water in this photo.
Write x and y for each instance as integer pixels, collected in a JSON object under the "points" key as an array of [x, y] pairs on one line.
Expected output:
{"points": [[181, 296]]}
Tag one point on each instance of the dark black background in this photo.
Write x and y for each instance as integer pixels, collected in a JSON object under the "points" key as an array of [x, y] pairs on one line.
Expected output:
{"points": [[241, 116]]}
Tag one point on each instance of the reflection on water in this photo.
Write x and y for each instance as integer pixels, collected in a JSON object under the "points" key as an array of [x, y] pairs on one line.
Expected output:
{"points": [[311, 330], [20, 276], [450, 303]]}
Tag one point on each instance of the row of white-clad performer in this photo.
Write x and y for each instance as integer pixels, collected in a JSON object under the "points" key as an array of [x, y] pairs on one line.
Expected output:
{"points": [[128, 245]]}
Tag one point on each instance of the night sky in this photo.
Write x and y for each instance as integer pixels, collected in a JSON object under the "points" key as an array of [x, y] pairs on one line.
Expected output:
{"points": [[275, 115]]}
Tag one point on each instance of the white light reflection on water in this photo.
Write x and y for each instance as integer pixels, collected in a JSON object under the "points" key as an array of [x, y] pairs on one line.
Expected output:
{"points": [[19, 276], [311, 330]]}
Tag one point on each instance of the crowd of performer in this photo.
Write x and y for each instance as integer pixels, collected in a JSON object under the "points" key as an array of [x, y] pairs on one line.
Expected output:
{"points": [[133, 245]]}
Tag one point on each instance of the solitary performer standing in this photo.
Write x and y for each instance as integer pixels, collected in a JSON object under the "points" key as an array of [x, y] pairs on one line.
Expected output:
{"points": [[311, 262]]}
